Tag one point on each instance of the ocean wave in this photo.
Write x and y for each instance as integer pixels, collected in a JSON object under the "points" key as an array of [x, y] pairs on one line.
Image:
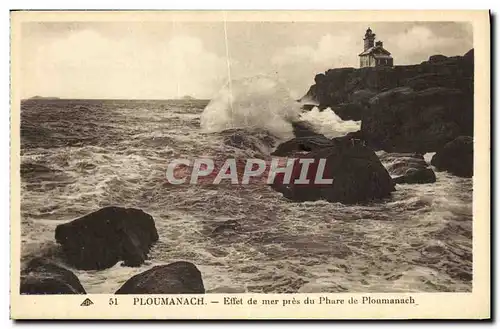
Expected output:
{"points": [[329, 124], [256, 102]]}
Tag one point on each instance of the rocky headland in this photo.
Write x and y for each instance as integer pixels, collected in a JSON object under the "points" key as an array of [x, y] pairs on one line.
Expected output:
{"points": [[410, 108]]}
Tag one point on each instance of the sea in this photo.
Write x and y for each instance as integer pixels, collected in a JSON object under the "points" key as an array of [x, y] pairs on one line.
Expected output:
{"points": [[78, 156]]}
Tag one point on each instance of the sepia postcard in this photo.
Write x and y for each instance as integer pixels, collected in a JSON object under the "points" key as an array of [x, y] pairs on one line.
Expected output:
{"points": [[250, 165]]}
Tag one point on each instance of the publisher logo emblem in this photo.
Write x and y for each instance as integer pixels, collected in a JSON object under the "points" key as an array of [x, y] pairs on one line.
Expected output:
{"points": [[87, 302]]}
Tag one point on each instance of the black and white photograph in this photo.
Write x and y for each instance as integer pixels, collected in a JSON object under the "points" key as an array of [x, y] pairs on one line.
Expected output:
{"points": [[174, 156]]}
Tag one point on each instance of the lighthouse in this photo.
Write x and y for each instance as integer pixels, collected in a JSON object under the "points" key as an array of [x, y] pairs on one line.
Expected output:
{"points": [[374, 54]]}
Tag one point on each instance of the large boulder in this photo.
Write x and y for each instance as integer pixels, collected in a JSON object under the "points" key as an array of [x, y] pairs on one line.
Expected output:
{"points": [[174, 278], [405, 120], [456, 157], [357, 174], [41, 277], [100, 239]]}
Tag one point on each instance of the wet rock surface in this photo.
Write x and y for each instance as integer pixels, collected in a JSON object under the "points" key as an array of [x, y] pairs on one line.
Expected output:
{"points": [[100, 239], [174, 278], [42, 277], [456, 157]]}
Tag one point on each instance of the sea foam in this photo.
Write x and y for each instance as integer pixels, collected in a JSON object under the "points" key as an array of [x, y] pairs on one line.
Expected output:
{"points": [[261, 102], [256, 102]]}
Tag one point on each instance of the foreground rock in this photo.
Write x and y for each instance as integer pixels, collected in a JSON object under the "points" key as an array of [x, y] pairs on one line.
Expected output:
{"points": [[456, 157], [408, 168], [42, 277], [100, 239], [174, 278], [357, 174]]}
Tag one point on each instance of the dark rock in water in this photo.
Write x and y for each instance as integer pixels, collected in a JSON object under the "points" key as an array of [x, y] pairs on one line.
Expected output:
{"points": [[43, 277], [404, 120], [410, 168], [357, 174], [302, 144], [100, 239], [174, 278], [456, 157]]}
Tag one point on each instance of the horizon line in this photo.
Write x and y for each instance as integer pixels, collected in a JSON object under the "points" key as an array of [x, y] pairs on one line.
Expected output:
{"points": [[55, 98]]}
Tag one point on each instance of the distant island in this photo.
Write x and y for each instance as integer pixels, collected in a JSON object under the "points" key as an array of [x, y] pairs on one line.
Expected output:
{"points": [[188, 98], [42, 97]]}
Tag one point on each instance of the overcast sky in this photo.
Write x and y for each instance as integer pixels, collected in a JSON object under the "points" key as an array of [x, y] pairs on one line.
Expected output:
{"points": [[159, 60]]}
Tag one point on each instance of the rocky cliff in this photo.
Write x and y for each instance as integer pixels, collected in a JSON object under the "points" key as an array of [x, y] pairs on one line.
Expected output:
{"points": [[412, 108]]}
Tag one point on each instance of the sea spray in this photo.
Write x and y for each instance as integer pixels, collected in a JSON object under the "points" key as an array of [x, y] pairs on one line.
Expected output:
{"points": [[328, 123], [263, 103]]}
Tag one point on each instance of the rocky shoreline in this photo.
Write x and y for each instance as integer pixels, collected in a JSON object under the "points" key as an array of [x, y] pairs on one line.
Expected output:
{"points": [[405, 111]]}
